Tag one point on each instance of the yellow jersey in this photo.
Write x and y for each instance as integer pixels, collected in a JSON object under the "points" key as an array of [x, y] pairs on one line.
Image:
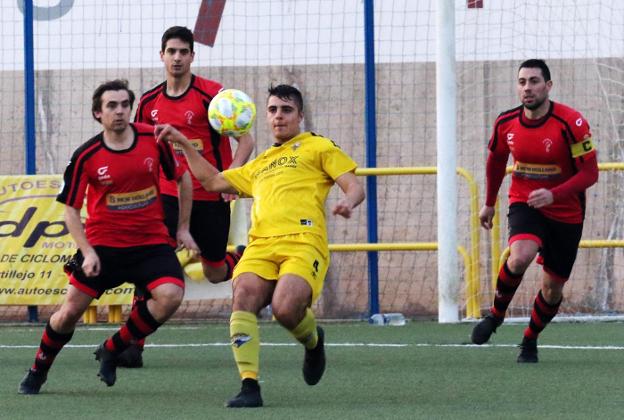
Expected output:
{"points": [[289, 184]]}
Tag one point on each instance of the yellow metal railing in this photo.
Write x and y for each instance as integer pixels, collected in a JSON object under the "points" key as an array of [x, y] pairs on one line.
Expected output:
{"points": [[499, 258], [589, 243], [470, 259], [417, 246], [472, 267]]}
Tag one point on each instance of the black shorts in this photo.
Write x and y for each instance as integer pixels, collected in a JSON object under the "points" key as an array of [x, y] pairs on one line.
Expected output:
{"points": [[210, 225], [558, 241], [145, 266]]}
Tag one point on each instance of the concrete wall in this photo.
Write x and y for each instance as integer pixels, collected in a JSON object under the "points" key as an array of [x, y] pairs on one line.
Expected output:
{"points": [[334, 101]]}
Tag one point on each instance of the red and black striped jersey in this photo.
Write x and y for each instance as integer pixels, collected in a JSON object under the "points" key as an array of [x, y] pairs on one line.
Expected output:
{"points": [[189, 114], [546, 153], [122, 189]]}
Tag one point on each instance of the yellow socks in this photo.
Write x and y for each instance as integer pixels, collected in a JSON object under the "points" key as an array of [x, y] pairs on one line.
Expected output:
{"points": [[305, 332], [245, 339]]}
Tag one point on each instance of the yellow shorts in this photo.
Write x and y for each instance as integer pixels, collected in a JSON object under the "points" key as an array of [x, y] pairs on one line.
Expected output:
{"points": [[303, 254]]}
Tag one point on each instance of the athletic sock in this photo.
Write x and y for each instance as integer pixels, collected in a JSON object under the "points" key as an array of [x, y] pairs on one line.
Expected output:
{"points": [[506, 286], [138, 297], [305, 332], [245, 339], [542, 314], [231, 259], [139, 325], [51, 344]]}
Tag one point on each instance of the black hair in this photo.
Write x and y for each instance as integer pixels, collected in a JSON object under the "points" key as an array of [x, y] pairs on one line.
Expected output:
{"points": [[287, 92], [117, 84], [539, 64], [177, 32]]}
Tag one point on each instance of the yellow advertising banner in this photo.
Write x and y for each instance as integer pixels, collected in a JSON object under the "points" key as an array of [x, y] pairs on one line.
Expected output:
{"points": [[35, 243]]}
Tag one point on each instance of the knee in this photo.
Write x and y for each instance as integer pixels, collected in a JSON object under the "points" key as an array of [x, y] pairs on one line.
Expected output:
{"points": [[288, 313], [213, 275], [518, 264], [171, 298], [246, 299]]}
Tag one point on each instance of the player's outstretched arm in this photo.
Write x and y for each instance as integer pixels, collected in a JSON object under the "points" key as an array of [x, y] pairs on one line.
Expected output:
{"points": [[209, 176], [185, 194], [354, 195], [91, 265], [246, 144]]}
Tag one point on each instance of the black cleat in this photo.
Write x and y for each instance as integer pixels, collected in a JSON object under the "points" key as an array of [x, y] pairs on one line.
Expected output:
{"points": [[249, 396], [528, 351], [314, 361], [32, 382], [108, 365], [132, 357], [482, 332]]}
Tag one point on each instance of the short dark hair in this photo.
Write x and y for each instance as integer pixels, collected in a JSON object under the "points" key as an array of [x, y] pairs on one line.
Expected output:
{"points": [[117, 84], [539, 64], [287, 92], [177, 32]]}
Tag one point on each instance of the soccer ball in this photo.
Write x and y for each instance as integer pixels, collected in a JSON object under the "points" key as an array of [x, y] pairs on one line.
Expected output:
{"points": [[231, 113]]}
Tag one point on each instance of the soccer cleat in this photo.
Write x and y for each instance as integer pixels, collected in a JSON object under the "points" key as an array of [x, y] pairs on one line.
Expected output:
{"points": [[528, 351], [249, 396], [482, 332], [314, 360], [132, 357], [108, 365], [32, 382]]}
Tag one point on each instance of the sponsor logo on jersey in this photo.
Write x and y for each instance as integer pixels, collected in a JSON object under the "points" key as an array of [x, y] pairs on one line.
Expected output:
{"points": [[305, 222], [131, 200], [536, 171], [198, 145], [579, 122], [280, 162], [154, 115]]}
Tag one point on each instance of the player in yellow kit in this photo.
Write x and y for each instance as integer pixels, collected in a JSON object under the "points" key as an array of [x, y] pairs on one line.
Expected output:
{"points": [[287, 257]]}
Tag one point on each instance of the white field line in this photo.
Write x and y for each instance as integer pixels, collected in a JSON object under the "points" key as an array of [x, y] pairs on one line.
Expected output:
{"points": [[375, 345]]}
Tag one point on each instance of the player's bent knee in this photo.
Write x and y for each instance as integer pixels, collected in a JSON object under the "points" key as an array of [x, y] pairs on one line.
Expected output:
{"points": [[214, 274], [519, 264], [168, 295], [214, 279], [288, 313]]}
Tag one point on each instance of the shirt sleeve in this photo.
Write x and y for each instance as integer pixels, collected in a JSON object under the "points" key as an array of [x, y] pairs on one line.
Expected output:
{"points": [[582, 145], [335, 161], [168, 162], [494, 174], [585, 160], [495, 166], [142, 113], [75, 183], [240, 179]]}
